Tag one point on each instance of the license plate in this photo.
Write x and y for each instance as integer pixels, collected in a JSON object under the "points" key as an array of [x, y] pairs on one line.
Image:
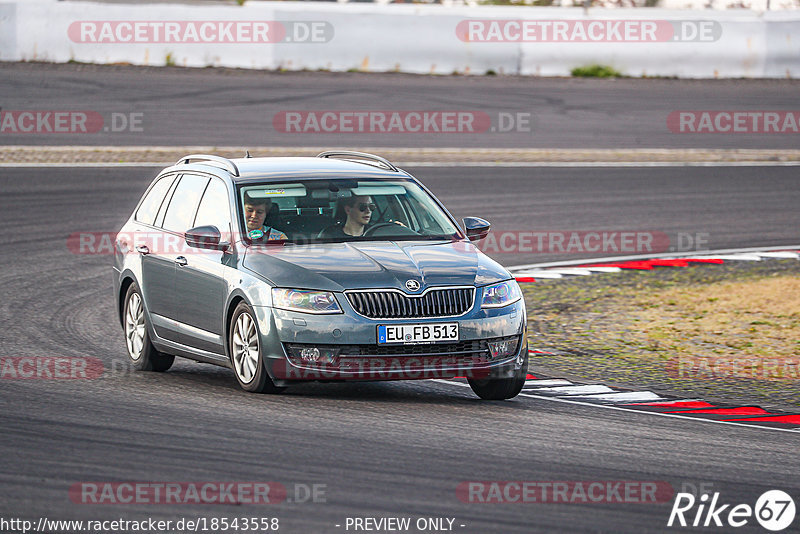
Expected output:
{"points": [[417, 333]]}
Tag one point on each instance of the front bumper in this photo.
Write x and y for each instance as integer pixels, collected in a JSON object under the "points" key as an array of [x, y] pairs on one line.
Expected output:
{"points": [[350, 351]]}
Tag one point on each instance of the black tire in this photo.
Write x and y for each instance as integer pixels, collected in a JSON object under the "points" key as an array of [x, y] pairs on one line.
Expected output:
{"points": [[247, 361], [501, 388], [141, 352]]}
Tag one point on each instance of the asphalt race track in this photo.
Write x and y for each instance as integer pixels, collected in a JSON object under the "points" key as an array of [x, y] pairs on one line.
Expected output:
{"points": [[376, 449], [221, 107]]}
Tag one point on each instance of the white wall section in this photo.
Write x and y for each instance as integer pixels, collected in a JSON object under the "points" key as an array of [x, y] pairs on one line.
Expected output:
{"points": [[404, 38]]}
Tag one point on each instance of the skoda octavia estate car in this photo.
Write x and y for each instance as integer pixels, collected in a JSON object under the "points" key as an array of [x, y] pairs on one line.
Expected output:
{"points": [[338, 267]]}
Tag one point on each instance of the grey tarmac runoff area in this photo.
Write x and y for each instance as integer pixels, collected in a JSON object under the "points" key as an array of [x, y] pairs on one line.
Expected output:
{"points": [[372, 450]]}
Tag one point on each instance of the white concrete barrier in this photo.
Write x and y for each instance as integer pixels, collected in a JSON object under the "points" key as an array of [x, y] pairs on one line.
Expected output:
{"points": [[404, 38]]}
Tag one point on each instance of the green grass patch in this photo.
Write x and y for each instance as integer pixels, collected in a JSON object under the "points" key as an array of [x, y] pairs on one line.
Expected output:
{"points": [[634, 328], [596, 71]]}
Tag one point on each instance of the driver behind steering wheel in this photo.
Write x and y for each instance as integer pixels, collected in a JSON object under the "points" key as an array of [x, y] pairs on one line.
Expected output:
{"points": [[352, 216]]}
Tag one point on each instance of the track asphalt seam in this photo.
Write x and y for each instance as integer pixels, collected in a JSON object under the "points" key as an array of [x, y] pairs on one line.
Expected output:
{"points": [[504, 164], [410, 156]]}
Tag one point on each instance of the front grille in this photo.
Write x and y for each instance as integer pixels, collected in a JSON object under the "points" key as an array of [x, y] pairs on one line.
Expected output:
{"points": [[392, 304]]}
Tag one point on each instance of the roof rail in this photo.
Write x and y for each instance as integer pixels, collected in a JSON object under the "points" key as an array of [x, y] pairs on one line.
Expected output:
{"points": [[347, 154], [225, 163]]}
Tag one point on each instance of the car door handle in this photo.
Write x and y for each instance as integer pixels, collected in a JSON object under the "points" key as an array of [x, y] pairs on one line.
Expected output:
{"points": [[180, 260], [142, 249]]}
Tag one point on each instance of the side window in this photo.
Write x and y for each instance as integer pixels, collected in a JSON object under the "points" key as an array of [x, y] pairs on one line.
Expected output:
{"points": [[425, 222], [183, 205], [149, 207], [160, 217], [390, 209], [214, 209], [383, 207]]}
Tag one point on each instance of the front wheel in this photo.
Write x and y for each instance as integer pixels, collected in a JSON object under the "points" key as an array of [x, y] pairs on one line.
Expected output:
{"points": [[142, 353], [245, 349], [501, 388]]}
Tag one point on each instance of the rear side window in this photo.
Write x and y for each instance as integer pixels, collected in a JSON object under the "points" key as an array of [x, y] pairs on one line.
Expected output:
{"points": [[152, 201], [215, 207], [183, 205]]}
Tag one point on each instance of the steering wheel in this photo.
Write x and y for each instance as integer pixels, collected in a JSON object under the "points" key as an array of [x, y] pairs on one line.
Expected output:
{"points": [[396, 230], [372, 229]]}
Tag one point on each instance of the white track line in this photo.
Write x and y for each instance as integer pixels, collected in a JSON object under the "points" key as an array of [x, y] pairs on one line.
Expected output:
{"points": [[566, 271], [604, 269], [626, 396], [630, 410], [780, 255], [732, 257], [571, 271], [576, 390], [540, 274], [544, 383]]}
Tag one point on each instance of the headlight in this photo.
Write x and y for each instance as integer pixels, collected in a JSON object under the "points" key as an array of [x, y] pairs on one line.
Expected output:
{"points": [[305, 301], [501, 294]]}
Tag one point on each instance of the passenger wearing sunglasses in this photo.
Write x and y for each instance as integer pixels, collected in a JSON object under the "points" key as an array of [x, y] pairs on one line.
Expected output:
{"points": [[352, 217]]}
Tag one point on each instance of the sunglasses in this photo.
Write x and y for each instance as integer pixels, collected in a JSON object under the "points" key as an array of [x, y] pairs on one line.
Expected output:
{"points": [[364, 206]]}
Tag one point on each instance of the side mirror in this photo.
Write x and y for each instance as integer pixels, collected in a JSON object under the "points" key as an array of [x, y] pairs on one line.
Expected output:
{"points": [[205, 237], [477, 228]]}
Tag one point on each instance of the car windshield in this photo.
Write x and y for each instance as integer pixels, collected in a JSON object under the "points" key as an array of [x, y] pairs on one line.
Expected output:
{"points": [[319, 211]]}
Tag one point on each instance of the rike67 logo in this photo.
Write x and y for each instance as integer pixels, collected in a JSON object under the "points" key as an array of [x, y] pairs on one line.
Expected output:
{"points": [[774, 510]]}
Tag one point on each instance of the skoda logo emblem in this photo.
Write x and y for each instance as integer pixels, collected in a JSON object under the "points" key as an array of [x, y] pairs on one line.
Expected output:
{"points": [[412, 285]]}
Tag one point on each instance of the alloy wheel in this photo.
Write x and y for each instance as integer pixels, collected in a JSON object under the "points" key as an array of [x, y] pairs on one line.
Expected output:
{"points": [[245, 348], [134, 326]]}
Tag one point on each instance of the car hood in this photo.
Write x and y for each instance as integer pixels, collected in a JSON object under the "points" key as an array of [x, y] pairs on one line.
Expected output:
{"points": [[373, 264]]}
